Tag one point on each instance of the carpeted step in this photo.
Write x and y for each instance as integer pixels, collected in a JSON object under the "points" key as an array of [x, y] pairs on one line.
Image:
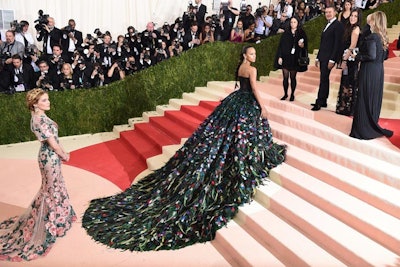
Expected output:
{"points": [[183, 119], [155, 135], [173, 128], [140, 144], [289, 245], [337, 238], [198, 112], [366, 219], [209, 104], [113, 157], [240, 249]]}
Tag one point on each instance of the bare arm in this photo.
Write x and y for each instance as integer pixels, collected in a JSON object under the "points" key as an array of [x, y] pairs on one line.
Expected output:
{"points": [[253, 83], [58, 148]]}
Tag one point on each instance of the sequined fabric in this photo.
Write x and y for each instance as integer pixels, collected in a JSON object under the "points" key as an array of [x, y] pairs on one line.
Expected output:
{"points": [[199, 189]]}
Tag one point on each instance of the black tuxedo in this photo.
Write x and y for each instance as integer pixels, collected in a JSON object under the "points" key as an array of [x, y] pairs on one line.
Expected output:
{"points": [[26, 77], [55, 38], [330, 49], [65, 43], [201, 13], [187, 38]]}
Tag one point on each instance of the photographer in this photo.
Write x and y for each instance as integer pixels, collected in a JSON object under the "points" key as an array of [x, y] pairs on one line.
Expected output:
{"points": [[84, 72], [201, 13], [150, 37], [161, 52], [175, 49], [230, 14], [264, 22], [116, 72], [57, 59], [22, 35], [107, 51], [71, 40], [122, 48], [145, 60], [97, 77], [247, 17], [68, 80], [284, 7], [49, 34], [191, 38], [22, 75], [10, 47], [280, 25], [47, 79], [131, 65]]}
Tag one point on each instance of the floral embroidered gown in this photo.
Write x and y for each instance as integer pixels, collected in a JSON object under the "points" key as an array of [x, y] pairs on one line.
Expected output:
{"points": [[199, 189], [50, 214]]}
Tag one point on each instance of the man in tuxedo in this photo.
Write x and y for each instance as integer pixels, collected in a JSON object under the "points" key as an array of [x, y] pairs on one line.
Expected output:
{"points": [[201, 13], [22, 75], [329, 53], [50, 35], [71, 40], [47, 79], [10, 47], [191, 39]]}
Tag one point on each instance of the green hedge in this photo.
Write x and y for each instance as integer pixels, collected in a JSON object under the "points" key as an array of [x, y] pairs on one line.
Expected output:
{"points": [[99, 109]]}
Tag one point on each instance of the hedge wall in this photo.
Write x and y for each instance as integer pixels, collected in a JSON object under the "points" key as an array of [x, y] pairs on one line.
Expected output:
{"points": [[99, 109]]}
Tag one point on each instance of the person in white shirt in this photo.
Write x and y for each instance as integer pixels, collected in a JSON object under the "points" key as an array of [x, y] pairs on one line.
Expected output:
{"points": [[24, 36]]}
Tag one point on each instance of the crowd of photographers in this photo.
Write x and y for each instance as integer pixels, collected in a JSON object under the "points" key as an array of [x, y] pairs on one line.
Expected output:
{"points": [[70, 60]]}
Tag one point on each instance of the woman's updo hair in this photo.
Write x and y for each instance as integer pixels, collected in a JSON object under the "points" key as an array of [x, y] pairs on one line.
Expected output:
{"points": [[33, 96]]}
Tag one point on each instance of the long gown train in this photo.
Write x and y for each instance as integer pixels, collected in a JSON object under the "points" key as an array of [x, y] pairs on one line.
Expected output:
{"points": [[199, 189]]}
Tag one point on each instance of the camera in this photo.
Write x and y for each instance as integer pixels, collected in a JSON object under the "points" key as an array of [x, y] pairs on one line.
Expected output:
{"points": [[67, 29], [30, 50], [243, 6], [42, 20], [214, 21], [259, 10], [224, 5], [17, 27]]}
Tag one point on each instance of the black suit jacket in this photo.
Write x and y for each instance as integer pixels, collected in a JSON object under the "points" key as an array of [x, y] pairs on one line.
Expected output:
{"points": [[28, 75], [55, 38], [331, 46], [201, 13], [65, 40], [187, 38]]}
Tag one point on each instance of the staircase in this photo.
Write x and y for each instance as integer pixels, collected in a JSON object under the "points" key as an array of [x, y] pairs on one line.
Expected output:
{"points": [[334, 202]]}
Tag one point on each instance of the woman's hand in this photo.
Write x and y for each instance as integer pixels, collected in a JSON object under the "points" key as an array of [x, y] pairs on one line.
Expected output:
{"points": [[264, 113], [280, 61]]}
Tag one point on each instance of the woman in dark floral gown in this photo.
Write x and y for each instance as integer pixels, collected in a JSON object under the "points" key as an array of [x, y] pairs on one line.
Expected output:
{"points": [[50, 214], [201, 187]]}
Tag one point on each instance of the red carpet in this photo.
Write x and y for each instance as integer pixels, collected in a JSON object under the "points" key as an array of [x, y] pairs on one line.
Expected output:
{"points": [[393, 125], [121, 160], [392, 46]]}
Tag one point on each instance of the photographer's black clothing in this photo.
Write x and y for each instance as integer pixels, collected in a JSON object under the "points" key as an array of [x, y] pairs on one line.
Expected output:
{"points": [[149, 41], [188, 37], [5, 81], [55, 65], [230, 18], [278, 24], [55, 38], [51, 78], [22, 79], [66, 82], [68, 49], [84, 76], [201, 13], [247, 19]]}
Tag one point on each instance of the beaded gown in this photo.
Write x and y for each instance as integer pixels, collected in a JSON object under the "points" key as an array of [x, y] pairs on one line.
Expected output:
{"points": [[50, 214], [199, 189]]}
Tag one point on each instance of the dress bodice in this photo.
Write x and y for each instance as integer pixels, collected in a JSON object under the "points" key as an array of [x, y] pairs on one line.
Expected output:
{"points": [[245, 84]]}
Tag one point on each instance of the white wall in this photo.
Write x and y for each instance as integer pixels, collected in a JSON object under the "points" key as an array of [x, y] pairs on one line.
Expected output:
{"points": [[111, 15]]}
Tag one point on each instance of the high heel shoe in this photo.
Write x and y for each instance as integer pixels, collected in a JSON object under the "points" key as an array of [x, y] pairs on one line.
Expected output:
{"points": [[291, 98], [284, 97]]}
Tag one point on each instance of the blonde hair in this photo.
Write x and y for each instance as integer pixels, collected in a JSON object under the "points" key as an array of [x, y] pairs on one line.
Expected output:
{"points": [[33, 96], [70, 69], [379, 26]]}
